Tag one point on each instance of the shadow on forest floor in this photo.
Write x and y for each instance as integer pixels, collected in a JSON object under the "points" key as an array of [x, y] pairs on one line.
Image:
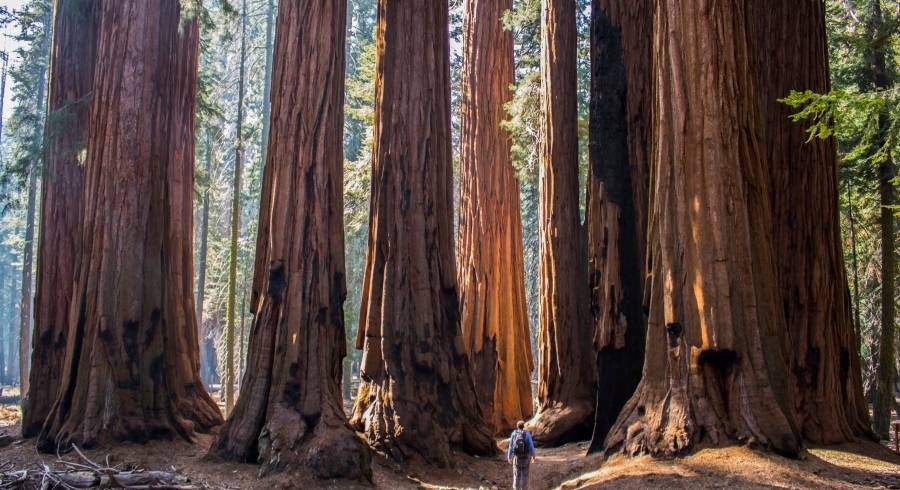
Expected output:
{"points": [[853, 465]]}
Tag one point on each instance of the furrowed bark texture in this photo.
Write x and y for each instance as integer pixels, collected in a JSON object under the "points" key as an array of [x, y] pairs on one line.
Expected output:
{"points": [[418, 395], [820, 344], [73, 56], [567, 370], [491, 264], [714, 371], [131, 368], [618, 183], [290, 409]]}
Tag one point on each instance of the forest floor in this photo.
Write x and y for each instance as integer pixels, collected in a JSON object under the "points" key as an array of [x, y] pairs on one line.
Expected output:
{"points": [[854, 465]]}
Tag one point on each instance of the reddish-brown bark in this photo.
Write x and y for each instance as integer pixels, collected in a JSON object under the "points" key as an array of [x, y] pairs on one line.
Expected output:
{"points": [[618, 183], [290, 409], [72, 60], [491, 265], [714, 371], [567, 370], [131, 368], [417, 395], [820, 344]]}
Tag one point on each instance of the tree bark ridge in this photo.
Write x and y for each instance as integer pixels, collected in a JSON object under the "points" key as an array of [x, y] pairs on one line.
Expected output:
{"points": [[131, 370], [418, 394]]}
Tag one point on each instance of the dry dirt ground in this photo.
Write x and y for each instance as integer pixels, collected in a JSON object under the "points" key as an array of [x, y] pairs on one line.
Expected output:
{"points": [[857, 465]]}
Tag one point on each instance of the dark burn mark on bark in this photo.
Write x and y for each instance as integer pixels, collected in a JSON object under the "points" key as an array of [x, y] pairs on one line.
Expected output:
{"points": [[815, 362], [46, 338], [277, 282], [291, 393], [338, 295], [451, 306], [130, 331], [722, 360], [404, 203], [718, 367], [674, 330], [155, 319], [156, 370]]}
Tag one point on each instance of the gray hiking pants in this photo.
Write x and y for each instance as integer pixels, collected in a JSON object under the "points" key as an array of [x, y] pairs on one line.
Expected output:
{"points": [[520, 474]]}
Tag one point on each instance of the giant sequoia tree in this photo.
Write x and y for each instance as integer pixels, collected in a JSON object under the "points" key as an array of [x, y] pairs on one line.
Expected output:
{"points": [[820, 345], [616, 217], [566, 368], [71, 76], [290, 408], [418, 394], [131, 368], [714, 370], [491, 269]]}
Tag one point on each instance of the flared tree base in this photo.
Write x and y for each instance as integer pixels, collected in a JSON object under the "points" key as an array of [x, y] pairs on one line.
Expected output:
{"points": [[558, 423], [331, 450], [90, 429], [403, 431]]}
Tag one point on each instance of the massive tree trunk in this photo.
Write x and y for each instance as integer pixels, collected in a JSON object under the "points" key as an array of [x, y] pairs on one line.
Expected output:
{"points": [[71, 76], [714, 371], [820, 343], [131, 369], [879, 78], [567, 370], [618, 184], [290, 409], [235, 221], [418, 394], [491, 270]]}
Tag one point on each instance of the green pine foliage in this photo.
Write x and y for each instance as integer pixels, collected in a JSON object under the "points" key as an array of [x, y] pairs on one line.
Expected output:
{"points": [[864, 119]]}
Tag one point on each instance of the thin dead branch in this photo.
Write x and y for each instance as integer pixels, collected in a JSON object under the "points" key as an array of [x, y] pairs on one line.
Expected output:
{"points": [[71, 475]]}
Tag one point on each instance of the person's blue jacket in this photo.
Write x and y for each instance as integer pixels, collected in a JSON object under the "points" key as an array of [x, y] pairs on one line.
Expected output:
{"points": [[512, 445]]}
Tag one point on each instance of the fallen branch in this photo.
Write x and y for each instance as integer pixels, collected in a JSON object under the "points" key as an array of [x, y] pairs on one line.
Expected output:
{"points": [[70, 475]]}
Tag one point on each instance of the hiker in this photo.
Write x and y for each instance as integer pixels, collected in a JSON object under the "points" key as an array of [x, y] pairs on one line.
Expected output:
{"points": [[520, 454]]}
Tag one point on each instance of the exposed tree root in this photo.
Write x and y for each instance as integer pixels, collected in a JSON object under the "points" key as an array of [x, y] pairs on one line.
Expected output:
{"points": [[558, 424]]}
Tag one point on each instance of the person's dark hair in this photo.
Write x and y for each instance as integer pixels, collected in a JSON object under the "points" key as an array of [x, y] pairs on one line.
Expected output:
{"points": [[520, 424]]}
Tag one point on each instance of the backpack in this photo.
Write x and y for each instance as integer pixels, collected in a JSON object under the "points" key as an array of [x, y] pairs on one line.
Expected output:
{"points": [[520, 445]]}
